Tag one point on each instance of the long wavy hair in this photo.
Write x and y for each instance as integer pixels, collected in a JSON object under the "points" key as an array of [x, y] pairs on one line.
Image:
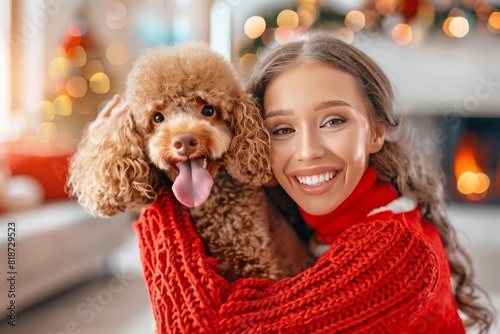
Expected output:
{"points": [[408, 169]]}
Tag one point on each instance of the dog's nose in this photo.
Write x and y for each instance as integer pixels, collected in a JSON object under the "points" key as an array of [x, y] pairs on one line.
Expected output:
{"points": [[185, 144]]}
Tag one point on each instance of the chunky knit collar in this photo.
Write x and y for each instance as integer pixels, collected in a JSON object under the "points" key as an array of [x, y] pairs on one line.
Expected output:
{"points": [[369, 194]]}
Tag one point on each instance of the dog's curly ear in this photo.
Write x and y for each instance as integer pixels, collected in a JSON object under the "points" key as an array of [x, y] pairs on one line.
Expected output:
{"points": [[249, 155], [108, 172]]}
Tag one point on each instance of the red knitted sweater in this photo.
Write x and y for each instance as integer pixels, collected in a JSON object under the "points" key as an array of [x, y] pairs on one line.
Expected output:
{"points": [[384, 273]]}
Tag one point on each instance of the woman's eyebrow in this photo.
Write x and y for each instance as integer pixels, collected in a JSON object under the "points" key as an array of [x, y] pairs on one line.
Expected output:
{"points": [[330, 104], [319, 106], [280, 112]]}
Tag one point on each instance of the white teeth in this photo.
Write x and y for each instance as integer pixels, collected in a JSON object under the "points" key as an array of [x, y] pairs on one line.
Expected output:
{"points": [[316, 180], [205, 164]]}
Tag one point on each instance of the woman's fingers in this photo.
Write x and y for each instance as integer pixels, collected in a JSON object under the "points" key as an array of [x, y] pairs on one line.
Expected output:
{"points": [[119, 110], [108, 108], [111, 109]]}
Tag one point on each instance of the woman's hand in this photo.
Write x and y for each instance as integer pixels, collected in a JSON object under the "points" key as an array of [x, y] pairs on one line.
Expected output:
{"points": [[111, 110]]}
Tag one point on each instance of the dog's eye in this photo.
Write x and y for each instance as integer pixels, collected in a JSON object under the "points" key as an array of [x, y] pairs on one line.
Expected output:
{"points": [[207, 111], [159, 117]]}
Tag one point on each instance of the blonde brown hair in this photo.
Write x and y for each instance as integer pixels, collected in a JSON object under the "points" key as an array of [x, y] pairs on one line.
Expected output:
{"points": [[408, 169]]}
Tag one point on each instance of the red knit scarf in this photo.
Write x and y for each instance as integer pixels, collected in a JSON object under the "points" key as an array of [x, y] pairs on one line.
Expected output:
{"points": [[369, 194]]}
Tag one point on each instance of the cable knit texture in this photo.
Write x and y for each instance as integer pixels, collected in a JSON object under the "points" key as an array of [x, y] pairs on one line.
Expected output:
{"points": [[386, 273]]}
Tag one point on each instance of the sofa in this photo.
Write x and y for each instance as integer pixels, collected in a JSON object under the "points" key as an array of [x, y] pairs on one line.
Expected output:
{"points": [[48, 243]]}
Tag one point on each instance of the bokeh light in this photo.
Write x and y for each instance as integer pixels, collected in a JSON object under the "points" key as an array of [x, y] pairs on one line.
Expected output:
{"points": [[268, 37], [247, 61], [494, 22], [346, 34], [47, 110], [402, 34], [255, 27], [58, 68], [92, 68], [456, 26], [287, 18], [307, 14], [116, 15], [46, 132], [117, 53], [469, 183], [63, 105], [116, 11], [385, 7], [77, 56], [283, 34], [99, 83], [355, 20], [77, 86], [483, 11], [74, 30]]}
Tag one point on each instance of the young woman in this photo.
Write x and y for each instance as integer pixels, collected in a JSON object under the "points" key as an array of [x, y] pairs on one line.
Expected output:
{"points": [[388, 260]]}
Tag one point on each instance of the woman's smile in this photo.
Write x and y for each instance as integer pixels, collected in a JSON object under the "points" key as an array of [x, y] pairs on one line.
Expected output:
{"points": [[315, 181]]}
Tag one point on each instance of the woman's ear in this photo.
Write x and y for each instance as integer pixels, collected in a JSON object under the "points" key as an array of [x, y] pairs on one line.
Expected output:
{"points": [[378, 138], [108, 173], [249, 156]]}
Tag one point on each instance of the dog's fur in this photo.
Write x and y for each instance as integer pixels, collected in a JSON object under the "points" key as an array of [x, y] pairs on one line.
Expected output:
{"points": [[118, 168]]}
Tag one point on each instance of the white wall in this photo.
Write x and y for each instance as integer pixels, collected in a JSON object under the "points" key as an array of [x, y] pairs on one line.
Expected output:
{"points": [[459, 77]]}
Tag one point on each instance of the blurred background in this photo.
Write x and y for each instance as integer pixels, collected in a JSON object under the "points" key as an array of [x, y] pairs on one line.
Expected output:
{"points": [[61, 61]]}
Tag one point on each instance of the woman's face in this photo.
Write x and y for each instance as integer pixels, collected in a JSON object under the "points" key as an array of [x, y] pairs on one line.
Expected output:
{"points": [[321, 135]]}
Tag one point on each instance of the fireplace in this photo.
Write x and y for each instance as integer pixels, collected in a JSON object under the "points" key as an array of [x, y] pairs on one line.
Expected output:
{"points": [[471, 158]]}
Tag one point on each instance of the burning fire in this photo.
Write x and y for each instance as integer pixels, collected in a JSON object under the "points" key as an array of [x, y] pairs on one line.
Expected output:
{"points": [[471, 181]]}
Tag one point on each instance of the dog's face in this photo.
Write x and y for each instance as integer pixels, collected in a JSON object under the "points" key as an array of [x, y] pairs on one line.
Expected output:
{"points": [[188, 143], [193, 116]]}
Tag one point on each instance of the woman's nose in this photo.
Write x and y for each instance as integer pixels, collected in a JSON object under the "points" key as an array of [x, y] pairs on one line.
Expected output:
{"points": [[309, 146]]}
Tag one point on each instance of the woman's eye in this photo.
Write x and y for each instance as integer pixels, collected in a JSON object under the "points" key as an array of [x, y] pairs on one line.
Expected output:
{"points": [[282, 131], [207, 111], [333, 122], [158, 118]]}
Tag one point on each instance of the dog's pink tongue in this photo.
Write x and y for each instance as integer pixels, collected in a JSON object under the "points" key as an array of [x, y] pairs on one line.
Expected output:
{"points": [[193, 184]]}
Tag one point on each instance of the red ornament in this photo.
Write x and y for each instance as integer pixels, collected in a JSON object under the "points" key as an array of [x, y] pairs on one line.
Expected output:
{"points": [[408, 9], [73, 37]]}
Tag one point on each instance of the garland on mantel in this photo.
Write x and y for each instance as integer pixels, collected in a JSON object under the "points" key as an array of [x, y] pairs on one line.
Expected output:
{"points": [[403, 21]]}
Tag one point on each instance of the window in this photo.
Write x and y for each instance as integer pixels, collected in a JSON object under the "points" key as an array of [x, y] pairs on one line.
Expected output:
{"points": [[220, 28], [5, 83]]}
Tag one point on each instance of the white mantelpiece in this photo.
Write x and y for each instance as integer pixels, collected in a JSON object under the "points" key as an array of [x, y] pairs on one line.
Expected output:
{"points": [[442, 76]]}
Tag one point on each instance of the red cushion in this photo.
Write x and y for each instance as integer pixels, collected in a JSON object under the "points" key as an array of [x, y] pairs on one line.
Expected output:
{"points": [[49, 165]]}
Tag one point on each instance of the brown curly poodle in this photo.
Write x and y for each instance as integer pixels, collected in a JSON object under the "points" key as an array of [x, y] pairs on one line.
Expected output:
{"points": [[191, 125]]}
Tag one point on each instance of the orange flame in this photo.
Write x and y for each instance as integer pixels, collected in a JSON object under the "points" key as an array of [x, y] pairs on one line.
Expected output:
{"points": [[470, 179]]}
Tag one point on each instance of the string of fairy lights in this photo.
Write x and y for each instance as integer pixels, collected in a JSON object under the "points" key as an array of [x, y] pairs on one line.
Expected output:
{"points": [[80, 67], [403, 21]]}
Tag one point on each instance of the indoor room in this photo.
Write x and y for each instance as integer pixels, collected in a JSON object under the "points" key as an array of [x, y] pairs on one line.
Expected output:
{"points": [[66, 270]]}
